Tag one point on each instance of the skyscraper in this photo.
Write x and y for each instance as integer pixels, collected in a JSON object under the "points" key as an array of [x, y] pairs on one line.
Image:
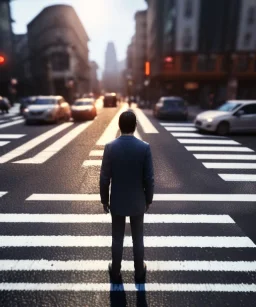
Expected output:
{"points": [[110, 76]]}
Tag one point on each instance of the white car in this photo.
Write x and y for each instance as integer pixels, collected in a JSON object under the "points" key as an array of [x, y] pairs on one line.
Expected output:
{"points": [[233, 116], [48, 109]]}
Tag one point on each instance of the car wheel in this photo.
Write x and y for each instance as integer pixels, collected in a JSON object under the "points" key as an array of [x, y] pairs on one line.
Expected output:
{"points": [[223, 128]]}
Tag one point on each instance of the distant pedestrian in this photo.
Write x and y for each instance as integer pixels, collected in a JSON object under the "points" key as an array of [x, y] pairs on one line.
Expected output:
{"points": [[127, 166]]}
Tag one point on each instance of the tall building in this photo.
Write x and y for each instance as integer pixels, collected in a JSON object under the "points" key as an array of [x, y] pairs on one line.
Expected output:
{"points": [[110, 75], [6, 47], [59, 55], [200, 49], [94, 82]]}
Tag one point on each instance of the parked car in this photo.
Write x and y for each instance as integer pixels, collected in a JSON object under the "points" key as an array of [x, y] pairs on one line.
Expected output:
{"points": [[110, 100], [4, 105], [48, 109], [233, 116], [83, 109], [171, 108], [25, 102]]}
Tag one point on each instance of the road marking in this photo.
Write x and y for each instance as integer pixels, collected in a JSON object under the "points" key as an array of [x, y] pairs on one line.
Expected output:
{"points": [[224, 157], [106, 241], [177, 124], [111, 131], [231, 165], [3, 193], [147, 287], [88, 163], [96, 153], [17, 117], [152, 266], [180, 129], [197, 135], [145, 123], [32, 143], [103, 218], [238, 177], [11, 136], [217, 142], [157, 197], [4, 143], [51, 150], [12, 123], [218, 148], [137, 135]]}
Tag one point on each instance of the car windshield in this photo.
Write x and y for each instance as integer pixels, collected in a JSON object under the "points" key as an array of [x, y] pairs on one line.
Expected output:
{"points": [[41, 101], [83, 103], [229, 106], [174, 103]]}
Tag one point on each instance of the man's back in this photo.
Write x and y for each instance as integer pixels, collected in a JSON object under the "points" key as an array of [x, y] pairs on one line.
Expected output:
{"points": [[127, 162]]}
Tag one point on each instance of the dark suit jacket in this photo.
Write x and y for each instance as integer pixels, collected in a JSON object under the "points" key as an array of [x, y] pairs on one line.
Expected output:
{"points": [[127, 166]]}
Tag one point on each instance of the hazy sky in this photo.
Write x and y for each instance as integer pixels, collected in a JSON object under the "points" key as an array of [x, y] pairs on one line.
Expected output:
{"points": [[104, 20]]}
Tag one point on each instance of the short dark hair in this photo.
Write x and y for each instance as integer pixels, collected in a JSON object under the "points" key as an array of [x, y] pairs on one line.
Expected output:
{"points": [[127, 122]]}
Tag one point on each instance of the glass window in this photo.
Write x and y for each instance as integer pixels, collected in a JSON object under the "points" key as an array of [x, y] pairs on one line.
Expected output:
{"points": [[251, 15], [41, 101], [249, 109], [83, 103], [247, 39], [188, 9], [187, 38], [201, 62], [186, 63], [60, 61], [229, 106], [174, 103], [243, 63]]}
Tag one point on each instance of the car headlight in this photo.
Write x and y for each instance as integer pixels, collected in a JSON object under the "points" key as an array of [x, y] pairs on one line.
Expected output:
{"points": [[48, 111], [209, 120], [26, 110]]}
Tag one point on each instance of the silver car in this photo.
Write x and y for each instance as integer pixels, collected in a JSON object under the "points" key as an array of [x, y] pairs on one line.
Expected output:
{"points": [[48, 109], [233, 116]]}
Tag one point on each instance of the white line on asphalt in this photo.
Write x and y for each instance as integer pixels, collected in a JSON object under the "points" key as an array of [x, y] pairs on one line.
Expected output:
{"points": [[157, 197], [238, 177], [12, 123], [197, 135], [11, 136], [218, 148], [51, 150], [4, 143], [180, 129], [152, 266], [17, 117], [106, 241], [230, 165], [33, 143], [137, 135], [177, 124], [224, 157], [3, 193], [145, 123], [147, 287], [217, 142], [88, 163], [96, 153], [103, 218], [111, 131]]}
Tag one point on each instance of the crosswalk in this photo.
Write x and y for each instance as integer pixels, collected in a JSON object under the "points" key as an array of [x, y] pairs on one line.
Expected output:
{"points": [[222, 152], [171, 243]]}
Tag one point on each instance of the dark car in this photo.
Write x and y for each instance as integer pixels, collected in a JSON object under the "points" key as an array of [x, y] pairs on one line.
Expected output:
{"points": [[25, 102], [171, 108], [4, 105], [84, 109], [110, 100]]}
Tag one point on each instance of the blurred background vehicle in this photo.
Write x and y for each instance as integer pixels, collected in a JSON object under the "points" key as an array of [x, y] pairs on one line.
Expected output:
{"points": [[171, 108], [233, 116], [4, 105], [48, 109], [25, 102], [84, 109], [110, 100]]}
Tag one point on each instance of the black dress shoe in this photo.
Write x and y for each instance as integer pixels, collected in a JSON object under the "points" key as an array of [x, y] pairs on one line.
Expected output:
{"points": [[141, 279], [115, 278]]}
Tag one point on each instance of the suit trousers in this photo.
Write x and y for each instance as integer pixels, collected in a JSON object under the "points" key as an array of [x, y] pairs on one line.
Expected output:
{"points": [[118, 230]]}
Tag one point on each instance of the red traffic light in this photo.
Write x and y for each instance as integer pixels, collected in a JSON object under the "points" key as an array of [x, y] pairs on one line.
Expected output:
{"points": [[2, 59], [168, 59]]}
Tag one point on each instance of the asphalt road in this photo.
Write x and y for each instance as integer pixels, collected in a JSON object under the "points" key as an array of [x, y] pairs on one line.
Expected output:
{"points": [[200, 233]]}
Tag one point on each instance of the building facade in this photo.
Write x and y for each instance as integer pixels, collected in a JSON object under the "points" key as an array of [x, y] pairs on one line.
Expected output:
{"points": [[94, 82], [59, 55], [6, 48], [203, 50], [110, 74]]}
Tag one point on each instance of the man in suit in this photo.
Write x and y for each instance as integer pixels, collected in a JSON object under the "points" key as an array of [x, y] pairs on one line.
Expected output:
{"points": [[127, 165]]}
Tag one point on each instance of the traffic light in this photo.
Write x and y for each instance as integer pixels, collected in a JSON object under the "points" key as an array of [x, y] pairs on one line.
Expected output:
{"points": [[168, 63], [147, 68], [168, 59], [2, 59]]}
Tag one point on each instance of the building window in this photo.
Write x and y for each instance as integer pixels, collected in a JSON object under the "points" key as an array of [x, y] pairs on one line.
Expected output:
{"points": [[243, 63], [187, 38], [206, 63], [201, 62], [247, 39], [188, 9], [251, 15], [186, 63], [225, 63], [60, 61]]}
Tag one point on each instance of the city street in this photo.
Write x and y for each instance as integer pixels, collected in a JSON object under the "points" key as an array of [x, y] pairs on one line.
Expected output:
{"points": [[200, 234]]}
